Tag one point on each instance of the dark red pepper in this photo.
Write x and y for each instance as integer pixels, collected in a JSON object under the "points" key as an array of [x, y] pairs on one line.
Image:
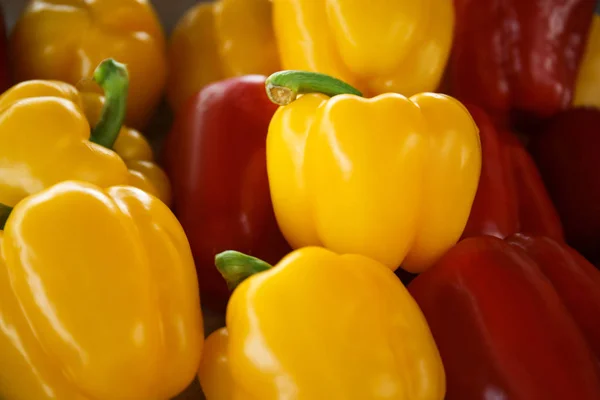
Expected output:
{"points": [[511, 196], [501, 328], [518, 56], [215, 158], [567, 153], [575, 279]]}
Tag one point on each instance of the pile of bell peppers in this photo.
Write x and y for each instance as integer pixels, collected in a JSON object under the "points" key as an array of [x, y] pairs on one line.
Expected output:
{"points": [[393, 201]]}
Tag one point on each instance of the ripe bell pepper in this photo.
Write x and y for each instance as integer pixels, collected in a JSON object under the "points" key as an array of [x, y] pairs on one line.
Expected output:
{"points": [[400, 46], [565, 150], [502, 329], [65, 39], [219, 40], [319, 326], [55, 144], [516, 57], [99, 297], [391, 178], [215, 158], [587, 89], [511, 196]]}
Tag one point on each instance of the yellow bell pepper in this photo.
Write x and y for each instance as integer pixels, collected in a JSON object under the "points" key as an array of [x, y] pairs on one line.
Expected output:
{"points": [[134, 149], [587, 88], [319, 326], [219, 40], [45, 138], [65, 39], [99, 297], [391, 178], [381, 46]]}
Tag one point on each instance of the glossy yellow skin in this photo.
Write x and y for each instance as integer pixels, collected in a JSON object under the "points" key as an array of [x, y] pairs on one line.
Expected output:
{"points": [[391, 178], [219, 40], [44, 139], [99, 297], [66, 39], [587, 88], [390, 46], [135, 150], [323, 326]]}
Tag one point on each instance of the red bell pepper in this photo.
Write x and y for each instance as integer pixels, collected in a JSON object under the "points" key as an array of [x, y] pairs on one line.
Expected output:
{"points": [[4, 74], [518, 56], [215, 158], [574, 278], [566, 153], [511, 196], [501, 328]]}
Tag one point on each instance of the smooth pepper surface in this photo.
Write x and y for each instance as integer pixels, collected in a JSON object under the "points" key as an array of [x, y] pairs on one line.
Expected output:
{"points": [[391, 178], [45, 138], [518, 58], [218, 40], [99, 297], [587, 89], [322, 326], [388, 46], [65, 40], [502, 328], [215, 158], [511, 196]]}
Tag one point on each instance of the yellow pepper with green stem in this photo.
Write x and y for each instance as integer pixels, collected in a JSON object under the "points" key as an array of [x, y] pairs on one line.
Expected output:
{"points": [[45, 138], [218, 40], [384, 46], [65, 39], [319, 326], [391, 178], [99, 297]]}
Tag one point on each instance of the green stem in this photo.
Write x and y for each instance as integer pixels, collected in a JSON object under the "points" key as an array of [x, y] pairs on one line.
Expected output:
{"points": [[113, 78], [237, 267], [284, 86], [4, 213]]}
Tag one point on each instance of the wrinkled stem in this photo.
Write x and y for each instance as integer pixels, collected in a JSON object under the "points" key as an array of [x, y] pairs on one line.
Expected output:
{"points": [[283, 87], [113, 78], [236, 267], [4, 213]]}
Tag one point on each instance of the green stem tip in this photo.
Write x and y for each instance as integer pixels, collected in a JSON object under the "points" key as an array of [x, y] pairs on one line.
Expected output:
{"points": [[237, 267], [113, 78], [283, 87], [4, 213]]}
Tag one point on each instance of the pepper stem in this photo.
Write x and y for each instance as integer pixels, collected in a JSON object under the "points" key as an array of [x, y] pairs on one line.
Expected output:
{"points": [[113, 78], [4, 213], [236, 267], [283, 87]]}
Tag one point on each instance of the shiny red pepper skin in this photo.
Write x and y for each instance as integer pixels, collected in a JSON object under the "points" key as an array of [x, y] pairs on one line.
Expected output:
{"points": [[4, 73], [511, 196], [566, 151], [518, 55], [575, 279], [501, 328], [215, 159]]}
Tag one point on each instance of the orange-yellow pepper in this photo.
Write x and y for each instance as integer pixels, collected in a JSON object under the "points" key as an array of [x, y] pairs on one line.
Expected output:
{"points": [[219, 40], [381, 46], [391, 178], [587, 89], [320, 326], [45, 139], [99, 297], [65, 40]]}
